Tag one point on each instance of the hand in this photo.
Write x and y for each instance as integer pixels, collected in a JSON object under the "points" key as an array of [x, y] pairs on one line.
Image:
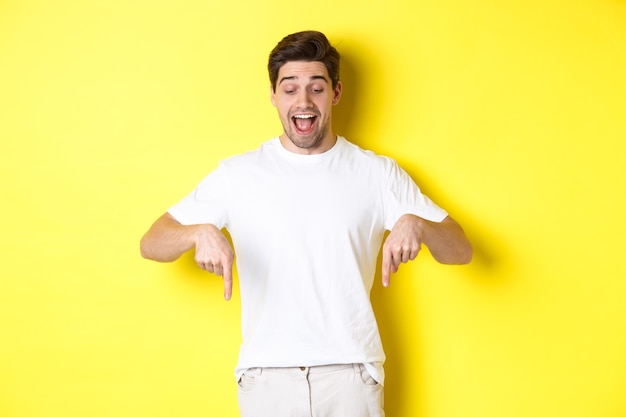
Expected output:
{"points": [[402, 245], [214, 254]]}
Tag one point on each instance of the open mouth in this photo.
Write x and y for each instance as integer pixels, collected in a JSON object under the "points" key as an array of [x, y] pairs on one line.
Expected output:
{"points": [[304, 123]]}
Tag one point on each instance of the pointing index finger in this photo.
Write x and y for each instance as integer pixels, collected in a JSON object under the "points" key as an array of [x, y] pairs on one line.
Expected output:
{"points": [[386, 264], [228, 282]]}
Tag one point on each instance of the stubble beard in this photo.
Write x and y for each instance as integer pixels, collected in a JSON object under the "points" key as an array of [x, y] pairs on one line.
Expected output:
{"points": [[306, 142]]}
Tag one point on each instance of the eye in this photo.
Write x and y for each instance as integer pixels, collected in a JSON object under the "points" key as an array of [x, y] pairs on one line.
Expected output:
{"points": [[317, 90]]}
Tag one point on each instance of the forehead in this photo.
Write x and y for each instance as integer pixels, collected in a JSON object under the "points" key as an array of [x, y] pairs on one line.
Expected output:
{"points": [[302, 70]]}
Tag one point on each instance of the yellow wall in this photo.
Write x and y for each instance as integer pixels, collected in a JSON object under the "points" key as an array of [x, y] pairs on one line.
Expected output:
{"points": [[509, 114]]}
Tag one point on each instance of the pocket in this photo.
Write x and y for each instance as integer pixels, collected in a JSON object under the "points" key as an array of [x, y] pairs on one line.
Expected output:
{"points": [[248, 379], [374, 394], [367, 378]]}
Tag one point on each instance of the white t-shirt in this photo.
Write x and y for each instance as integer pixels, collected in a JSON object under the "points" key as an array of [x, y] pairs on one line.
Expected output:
{"points": [[306, 231]]}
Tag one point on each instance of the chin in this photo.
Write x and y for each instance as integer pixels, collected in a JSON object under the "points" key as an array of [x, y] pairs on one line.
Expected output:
{"points": [[306, 142]]}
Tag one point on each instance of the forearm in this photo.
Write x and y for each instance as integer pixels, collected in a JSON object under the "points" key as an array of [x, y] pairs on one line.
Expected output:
{"points": [[167, 240], [447, 242]]}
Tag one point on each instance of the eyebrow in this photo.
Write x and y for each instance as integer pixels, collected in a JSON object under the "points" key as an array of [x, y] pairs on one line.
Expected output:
{"points": [[295, 77]]}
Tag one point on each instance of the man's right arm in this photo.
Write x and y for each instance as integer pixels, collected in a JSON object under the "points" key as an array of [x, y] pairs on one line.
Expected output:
{"points": [[167, 240]]}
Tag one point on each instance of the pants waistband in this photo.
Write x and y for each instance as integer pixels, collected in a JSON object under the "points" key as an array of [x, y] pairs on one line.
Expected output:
{"points": [[306, 370]]}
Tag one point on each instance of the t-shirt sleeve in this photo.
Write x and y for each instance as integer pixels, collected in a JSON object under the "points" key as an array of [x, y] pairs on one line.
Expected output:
{"points": [[403, 196], [207, 203]]}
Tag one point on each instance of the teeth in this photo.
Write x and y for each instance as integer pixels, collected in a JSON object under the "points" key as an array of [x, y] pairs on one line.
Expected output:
{"points": [[303, 116]]}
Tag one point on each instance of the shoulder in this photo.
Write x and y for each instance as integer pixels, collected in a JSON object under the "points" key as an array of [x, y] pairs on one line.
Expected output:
{"points": [[371, 159], [264, 151]]}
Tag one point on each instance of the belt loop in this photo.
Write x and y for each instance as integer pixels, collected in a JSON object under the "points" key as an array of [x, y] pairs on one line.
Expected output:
{"points": [[357, 368]]}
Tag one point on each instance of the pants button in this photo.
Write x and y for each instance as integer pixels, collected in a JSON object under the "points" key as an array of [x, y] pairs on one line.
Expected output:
{"points": [[302, 368]]}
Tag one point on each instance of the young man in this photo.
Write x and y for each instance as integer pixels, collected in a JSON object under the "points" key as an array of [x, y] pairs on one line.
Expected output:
{"points": [[307, 213]]}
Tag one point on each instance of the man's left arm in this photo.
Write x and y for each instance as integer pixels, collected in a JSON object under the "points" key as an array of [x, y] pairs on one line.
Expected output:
{"points": [[445, 240]]}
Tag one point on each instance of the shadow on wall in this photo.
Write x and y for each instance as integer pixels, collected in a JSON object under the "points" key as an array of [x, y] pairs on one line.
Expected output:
{"points": [[354, 76], [490, 251], [343, 112]]}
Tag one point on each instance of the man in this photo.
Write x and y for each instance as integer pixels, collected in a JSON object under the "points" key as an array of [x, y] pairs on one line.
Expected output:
{"points": [[307, 213]]}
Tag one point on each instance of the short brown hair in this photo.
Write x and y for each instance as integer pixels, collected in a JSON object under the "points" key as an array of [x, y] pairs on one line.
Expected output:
{"points": [[304, 46]]}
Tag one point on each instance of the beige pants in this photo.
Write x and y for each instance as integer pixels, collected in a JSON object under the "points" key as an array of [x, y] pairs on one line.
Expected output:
{"points": [[319, 391]]}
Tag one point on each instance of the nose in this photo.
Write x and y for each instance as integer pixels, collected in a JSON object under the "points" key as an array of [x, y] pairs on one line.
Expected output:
{"points": [[304, 99]]}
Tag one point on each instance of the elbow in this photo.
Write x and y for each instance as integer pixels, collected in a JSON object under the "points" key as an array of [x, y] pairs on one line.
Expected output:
{"points": [[148, 251], [161, 242], [144, 250], [152, 256], [153, 252], [463, 251], [144, 253], [466, 255], [458, 256]]}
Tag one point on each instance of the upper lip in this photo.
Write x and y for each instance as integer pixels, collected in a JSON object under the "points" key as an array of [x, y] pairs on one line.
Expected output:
{"points": [[305, 114]]}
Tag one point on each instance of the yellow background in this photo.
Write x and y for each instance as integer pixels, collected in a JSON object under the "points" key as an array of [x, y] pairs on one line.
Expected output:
{"points": [[511, 115]]}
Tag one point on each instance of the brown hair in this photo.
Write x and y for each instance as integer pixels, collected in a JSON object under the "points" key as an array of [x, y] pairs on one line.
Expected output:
{"points": [[304, 46]]}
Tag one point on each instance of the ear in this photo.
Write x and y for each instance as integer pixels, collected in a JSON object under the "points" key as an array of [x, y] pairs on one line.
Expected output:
{"points": [[272, 96], [337, 93]]}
